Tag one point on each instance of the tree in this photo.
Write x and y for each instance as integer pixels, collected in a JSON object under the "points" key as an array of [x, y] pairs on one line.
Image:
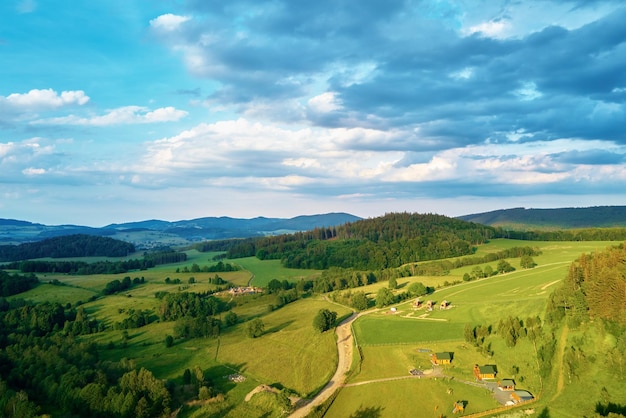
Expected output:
{"points": [[169, 341], [417, 289], [384, 297], [324, 320], [504, 267], [393, 283], [255, 328], [359, 301], [230, 318], [527, 262]]}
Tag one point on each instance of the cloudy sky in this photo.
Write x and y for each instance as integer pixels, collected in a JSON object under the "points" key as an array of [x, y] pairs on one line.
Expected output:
{"points": [[125, 110]]}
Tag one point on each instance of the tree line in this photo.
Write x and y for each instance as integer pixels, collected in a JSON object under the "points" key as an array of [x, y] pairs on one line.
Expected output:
{"points": [[77, 245], [385, 242], [98, 267], [12, 284]]}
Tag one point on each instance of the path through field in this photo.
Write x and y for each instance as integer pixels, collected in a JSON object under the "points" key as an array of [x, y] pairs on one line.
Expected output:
{"points": [[344, 351]]}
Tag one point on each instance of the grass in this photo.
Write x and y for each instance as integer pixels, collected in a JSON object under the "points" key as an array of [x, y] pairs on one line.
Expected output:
{"points": [[390, 342], [408, 398], [266, 270], [293, 355]]}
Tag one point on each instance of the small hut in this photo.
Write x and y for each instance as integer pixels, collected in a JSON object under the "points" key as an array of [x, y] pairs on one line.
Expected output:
{"points": [[506, 384], [487, 371], [441, 358]]}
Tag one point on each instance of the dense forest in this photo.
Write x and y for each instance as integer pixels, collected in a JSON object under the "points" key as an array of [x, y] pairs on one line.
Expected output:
{"points": [[79, 245], [595, 288], [384, 242], [12, 284], [391, 241], [149, 260]]}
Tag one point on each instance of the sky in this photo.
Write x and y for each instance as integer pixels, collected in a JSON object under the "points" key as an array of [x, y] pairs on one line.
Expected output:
{"points": [[125, 110]]}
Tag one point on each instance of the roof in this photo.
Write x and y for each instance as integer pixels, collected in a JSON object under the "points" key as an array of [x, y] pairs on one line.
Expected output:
{"points": [[487, 369], [445, 355], [507, 382], [523, 395]]}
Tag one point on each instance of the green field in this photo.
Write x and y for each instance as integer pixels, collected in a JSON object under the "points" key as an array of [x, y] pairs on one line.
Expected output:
{"points": [[392, 343], [292, 355]]}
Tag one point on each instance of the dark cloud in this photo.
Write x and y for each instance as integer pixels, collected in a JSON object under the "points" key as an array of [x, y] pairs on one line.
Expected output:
{"points": [[457, 89]]}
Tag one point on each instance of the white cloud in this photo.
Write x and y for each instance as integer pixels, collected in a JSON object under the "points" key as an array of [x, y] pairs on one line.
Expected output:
{"points": [[168, 22], [491, 29], [44, 99], [120, 116], [34, 171], [324, 103]]}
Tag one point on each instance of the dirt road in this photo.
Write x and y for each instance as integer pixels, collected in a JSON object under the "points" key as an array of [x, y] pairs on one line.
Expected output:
{"points": [[344, 351]]}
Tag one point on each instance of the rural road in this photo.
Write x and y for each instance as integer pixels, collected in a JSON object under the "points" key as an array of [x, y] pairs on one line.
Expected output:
{"points": [[344, 351]]}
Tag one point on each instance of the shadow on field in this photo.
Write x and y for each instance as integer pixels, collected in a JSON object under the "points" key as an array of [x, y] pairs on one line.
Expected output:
{"points": [[369, 412], [219, 375], [610, 407], [279, 327]]}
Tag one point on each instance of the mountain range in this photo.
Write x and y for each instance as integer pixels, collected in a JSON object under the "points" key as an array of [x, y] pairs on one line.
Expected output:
{"points": [[156, 233]]}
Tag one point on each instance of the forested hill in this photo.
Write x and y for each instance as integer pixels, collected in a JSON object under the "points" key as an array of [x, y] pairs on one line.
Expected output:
{"points": [[595, 288], [384, 242], [67, 246], [563, 218]]}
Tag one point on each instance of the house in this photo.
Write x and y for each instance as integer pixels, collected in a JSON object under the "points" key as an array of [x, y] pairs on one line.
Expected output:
{"points": [[429, 305], [519, 396], [444, 305], [506, 384], [417, 303], [441, 358], [488, 371]]}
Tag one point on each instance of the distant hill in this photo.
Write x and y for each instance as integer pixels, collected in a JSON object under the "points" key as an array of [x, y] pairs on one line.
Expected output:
{"points": [[563, 218], [155, 233]]}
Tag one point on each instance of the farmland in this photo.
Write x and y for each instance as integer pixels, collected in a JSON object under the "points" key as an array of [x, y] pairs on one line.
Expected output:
{"points": [[297, 360]]}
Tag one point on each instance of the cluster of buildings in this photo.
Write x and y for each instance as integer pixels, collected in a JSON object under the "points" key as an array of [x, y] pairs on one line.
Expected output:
{"points": [[507, 393]]}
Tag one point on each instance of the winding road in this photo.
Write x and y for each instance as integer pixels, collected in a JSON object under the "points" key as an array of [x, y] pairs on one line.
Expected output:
{"points": [[344, 351]]}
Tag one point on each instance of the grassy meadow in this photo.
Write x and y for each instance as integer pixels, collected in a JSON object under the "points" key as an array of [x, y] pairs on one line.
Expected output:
{"points": [[392, 343], [291, 354]]}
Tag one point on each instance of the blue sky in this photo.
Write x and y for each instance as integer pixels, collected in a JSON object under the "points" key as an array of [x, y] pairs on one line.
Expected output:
{"points": [[125, 110]]}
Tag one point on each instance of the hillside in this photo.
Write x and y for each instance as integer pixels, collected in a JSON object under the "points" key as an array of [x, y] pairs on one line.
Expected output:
{"points": [[561, 218], [369, 244], [155, 233]]}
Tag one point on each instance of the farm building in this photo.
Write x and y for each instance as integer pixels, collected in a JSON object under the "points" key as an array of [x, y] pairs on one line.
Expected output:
{"points": [[441, 358], [519, 396], [506, 384], [429, 305], [444, 305], [485, 372], [417, 303]]}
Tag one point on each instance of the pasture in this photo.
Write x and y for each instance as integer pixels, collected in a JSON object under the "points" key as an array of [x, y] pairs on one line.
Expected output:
{"points": [[393, 343], [291, 354]]}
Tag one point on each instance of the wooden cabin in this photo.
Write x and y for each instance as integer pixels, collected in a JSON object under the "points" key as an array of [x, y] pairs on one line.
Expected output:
{"points": [[506, 384], [441, 358], [485, 372]]}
